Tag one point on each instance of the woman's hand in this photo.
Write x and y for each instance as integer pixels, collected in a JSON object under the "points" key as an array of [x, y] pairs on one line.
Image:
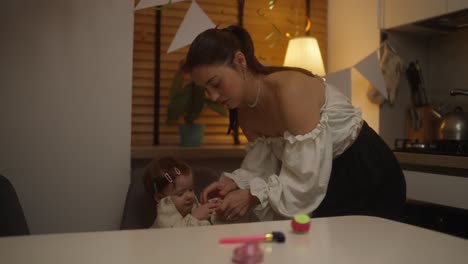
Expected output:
{"points": [[217, 189], [236, 205]]}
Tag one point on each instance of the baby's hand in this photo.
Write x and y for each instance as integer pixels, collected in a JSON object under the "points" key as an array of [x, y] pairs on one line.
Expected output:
{"points": [[204, 211]]}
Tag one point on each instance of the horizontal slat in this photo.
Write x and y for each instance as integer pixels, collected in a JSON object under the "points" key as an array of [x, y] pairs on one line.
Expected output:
{"points": [[142, 73], [207, 140], [142, 100], [142, 138], [142, 128], [218, 11], [138, 91], [209, 120], [143, 47], [145, 19], [143, 65], [205, 112], [143, 82], [142, 110], [142, 119], [210, 129], [143, 55]]}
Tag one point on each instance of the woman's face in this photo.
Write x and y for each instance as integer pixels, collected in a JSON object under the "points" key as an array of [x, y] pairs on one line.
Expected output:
{"points": [[222, 83]]}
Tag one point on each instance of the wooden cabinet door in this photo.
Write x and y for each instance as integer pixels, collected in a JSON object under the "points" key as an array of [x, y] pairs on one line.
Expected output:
{"points": [[400, 12], [456, 5]]}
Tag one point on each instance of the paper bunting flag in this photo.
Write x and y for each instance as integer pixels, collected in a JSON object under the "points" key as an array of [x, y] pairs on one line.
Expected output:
{"points": [[341, 80], [369, 67], [150, 3], [195, 22]]}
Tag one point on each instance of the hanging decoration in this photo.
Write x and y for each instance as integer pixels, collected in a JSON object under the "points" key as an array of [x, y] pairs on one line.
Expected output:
{"points": [[275, 35], [370, 68], [156, 4], [194, 23]]}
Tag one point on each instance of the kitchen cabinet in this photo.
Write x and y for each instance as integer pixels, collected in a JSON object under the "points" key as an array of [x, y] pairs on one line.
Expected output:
{"points": [[438, 218], [400, 12], [438, 189], [456, 5], [437, 201]]}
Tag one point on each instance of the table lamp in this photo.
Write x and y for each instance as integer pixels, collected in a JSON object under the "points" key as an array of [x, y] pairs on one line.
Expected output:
{"points": [[304, 52]]}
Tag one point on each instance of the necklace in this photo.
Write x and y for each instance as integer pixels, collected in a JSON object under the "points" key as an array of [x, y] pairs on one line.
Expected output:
{"points": [[256, 98]]}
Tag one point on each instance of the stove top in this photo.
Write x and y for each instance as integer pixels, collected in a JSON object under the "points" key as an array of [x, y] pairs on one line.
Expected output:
{"points": [[440, 147]]}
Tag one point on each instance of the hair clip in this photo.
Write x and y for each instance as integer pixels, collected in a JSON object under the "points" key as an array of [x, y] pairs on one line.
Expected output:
{"points": [[168, 177], [177, 171]]}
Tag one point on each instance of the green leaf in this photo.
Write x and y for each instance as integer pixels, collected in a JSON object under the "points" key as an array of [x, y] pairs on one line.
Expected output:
{"points": [[177, 86], [188, 100], [176, 107], [195, 103], [218, 108], [178, 98]]}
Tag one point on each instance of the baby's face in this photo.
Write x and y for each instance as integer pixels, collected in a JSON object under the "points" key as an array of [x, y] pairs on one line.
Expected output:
{"points": [[182, 195]]}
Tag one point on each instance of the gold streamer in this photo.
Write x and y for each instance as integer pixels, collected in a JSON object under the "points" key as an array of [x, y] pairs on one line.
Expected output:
{"points": [[276, 31]]}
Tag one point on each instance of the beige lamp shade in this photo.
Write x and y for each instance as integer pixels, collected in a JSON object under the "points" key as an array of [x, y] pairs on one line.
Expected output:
{"points": [[304, 52]]}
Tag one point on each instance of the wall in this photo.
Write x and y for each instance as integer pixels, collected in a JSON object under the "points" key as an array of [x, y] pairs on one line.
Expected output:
{"points": [[353, 33], [65, 102], [448, 55]]}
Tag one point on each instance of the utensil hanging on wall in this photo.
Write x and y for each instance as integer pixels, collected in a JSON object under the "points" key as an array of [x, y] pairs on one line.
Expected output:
{"points": [[416, 81]]}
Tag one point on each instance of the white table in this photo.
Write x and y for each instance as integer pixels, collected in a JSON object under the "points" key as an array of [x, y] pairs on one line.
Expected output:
{"points": [[351, 239]]}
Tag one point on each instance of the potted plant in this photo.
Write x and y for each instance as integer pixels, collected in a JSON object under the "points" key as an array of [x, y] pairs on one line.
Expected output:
{"points": [[188, 100]]}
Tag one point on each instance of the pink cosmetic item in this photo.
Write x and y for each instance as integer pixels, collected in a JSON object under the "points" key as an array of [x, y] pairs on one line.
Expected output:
{"points": [[249, 253], [300, 223], [277, 237]]}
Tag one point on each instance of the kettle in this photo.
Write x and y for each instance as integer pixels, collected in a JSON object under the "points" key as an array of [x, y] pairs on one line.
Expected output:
{"points": [[453, 125]]}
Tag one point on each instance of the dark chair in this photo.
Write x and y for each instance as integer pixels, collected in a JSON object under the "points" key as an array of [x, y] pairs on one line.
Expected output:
{"points": [[12, 220], [139, 211]]}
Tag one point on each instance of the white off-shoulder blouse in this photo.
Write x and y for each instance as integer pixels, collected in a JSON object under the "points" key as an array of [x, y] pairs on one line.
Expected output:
{"points": [[290, 174]]}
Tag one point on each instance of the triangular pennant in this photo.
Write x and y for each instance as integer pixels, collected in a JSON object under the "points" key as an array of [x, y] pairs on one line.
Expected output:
{"points": [[150, 3], [194, 23], [341, 80], [369, 67]]}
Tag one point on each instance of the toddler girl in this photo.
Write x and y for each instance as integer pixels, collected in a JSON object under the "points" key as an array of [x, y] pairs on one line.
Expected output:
{"points": [[170, 182]]}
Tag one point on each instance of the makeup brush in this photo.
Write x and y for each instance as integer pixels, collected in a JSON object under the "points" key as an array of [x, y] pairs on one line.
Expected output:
{"points": [[277, 237]]}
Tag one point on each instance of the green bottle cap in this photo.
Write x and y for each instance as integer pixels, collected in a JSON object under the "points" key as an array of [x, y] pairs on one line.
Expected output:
{"points": [[302, 219]]}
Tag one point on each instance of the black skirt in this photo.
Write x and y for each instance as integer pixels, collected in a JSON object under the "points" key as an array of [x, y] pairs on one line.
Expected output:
{"points": [[365, 180]]}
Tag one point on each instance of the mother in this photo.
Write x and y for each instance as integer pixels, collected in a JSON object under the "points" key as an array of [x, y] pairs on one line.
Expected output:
{"points": [[309, 149]]}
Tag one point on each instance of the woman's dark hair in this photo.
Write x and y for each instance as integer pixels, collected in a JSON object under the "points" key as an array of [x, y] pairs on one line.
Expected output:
{"points": [[218, 46], [159, 173]]}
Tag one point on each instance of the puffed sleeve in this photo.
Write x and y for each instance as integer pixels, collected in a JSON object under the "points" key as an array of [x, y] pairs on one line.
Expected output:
{"points": [[302, 181], [259, 161]]}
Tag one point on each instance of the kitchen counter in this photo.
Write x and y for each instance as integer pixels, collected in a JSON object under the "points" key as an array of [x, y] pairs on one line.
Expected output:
{"points": [[203, 152], [456, 164], [441, 164]]}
